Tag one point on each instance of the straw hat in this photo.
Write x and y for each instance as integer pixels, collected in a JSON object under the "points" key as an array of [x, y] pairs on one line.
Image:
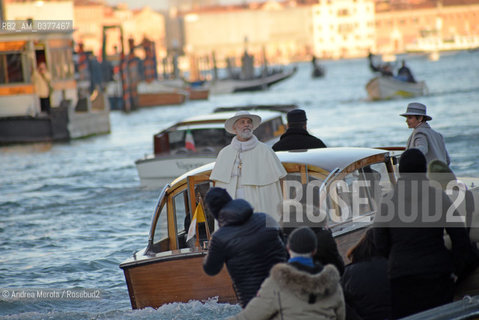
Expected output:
{"points": [[242, 114], [416, 109]]}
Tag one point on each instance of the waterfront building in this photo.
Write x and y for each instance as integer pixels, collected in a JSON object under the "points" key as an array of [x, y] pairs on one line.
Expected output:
{"points": [[400, 29], [343, 29], [286, 31]]}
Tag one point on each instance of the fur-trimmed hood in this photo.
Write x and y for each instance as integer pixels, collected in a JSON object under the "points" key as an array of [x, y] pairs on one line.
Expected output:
{"points": [[304, 285]]}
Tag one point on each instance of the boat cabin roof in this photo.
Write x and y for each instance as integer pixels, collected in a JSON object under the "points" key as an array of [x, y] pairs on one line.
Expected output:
{"points": [[325, 158], [217, 120]]}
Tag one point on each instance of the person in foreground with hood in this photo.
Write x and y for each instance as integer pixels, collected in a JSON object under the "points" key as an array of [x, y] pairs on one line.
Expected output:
{"points": [[298, 289], [249, 243]]}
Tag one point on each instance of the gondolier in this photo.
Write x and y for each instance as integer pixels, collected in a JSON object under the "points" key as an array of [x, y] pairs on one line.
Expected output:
{"points": [[247, 168], [423, 137]]}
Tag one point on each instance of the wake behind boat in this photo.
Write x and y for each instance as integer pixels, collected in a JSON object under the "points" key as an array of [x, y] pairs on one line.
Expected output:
{"points": [[195, 141]]}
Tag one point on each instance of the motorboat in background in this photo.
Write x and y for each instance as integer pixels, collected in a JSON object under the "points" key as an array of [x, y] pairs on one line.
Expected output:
{"points": [[388, 87], [195, 141], [76, 111], [261, 82], [169, 269], [318, 70], [157, 93], [247, 78]]}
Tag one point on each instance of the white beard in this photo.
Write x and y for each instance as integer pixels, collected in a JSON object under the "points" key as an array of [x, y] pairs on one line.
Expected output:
{"points": [[246, 134]]}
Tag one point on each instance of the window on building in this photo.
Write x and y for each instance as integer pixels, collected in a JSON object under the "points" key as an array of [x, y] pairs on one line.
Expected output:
{"points": [[11, 70]]}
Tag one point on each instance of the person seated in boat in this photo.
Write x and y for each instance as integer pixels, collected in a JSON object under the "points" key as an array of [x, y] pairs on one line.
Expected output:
{"points": [[386, 70], [247, 168], [41, 79], [405, 74], [423, 137], [248, 242], [298, 289], [296, 135]]}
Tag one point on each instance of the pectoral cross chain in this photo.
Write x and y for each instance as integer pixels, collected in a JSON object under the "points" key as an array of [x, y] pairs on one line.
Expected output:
{"points": [[239, 167]]}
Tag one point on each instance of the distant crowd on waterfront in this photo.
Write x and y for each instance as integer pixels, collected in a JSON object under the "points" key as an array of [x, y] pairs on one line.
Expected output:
{"points": [[397, 268]]}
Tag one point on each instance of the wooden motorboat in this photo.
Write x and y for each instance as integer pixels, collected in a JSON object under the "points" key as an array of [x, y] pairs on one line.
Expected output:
{"points": [[169, 269], [158, 94], [75, 112], [258, 83], [198, 93], [385, 87], [172, 156]]}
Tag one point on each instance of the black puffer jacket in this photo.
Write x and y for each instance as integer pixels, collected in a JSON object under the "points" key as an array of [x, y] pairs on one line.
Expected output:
{"points": [[297, 138], [249, 244]]}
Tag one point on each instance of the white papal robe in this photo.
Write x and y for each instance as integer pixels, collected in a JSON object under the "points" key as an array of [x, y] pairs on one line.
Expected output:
{"points": [[258, 177]]}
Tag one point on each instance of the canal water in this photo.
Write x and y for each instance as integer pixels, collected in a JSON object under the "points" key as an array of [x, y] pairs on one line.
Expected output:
{"points": [[70, 213]]}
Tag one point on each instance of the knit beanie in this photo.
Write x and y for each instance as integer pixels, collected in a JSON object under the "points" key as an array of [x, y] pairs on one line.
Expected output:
{"points": [[412, 161], [216, 199], [302, 240]]}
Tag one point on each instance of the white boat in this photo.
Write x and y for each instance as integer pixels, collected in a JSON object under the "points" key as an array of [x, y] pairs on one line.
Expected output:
{"points": [[254, 84], [383, 87], [206, 136], [75, 112]]}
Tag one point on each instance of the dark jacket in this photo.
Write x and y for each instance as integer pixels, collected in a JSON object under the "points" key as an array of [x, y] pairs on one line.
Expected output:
{"points": [[249, 244], [417, 248], [366, 288], [297, 138]]}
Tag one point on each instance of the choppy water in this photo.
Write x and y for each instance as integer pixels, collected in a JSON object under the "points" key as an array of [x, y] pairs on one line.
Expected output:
{"points": [[71, 213]]}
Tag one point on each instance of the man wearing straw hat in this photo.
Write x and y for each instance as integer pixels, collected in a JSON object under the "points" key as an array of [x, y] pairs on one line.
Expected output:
{"points": [[247, 168], [423, 137]]}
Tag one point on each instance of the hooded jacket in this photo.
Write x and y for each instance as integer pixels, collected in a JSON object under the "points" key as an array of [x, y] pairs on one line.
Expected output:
{"points": [[294, 291], [250, 245]]}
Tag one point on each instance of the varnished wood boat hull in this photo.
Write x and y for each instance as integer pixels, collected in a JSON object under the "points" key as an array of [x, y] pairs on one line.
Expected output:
{"points": [[177, 279], [160, 99], [181, 278], [198, 94]]}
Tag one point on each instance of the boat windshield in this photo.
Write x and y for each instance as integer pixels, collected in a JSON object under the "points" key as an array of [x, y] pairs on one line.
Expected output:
{"points": [[204, 140], [358, 194]]}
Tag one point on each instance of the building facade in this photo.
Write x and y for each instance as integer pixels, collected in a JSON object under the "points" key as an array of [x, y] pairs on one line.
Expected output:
{"points": [[343, 28], [399, 31]]}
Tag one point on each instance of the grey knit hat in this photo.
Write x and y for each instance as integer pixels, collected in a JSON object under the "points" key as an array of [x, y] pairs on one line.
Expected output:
{"points": [[302, 240]]}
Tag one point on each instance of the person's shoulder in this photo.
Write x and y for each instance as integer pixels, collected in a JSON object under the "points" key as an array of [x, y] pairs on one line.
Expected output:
{"points": [[225, 149]]}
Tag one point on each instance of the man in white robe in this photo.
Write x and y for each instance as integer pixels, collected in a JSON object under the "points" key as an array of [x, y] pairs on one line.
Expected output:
{"points": [[249, 169]]}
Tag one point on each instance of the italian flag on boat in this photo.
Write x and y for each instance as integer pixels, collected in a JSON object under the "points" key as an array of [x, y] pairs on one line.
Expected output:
{"points": [[198, 217], [189, 142]]}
